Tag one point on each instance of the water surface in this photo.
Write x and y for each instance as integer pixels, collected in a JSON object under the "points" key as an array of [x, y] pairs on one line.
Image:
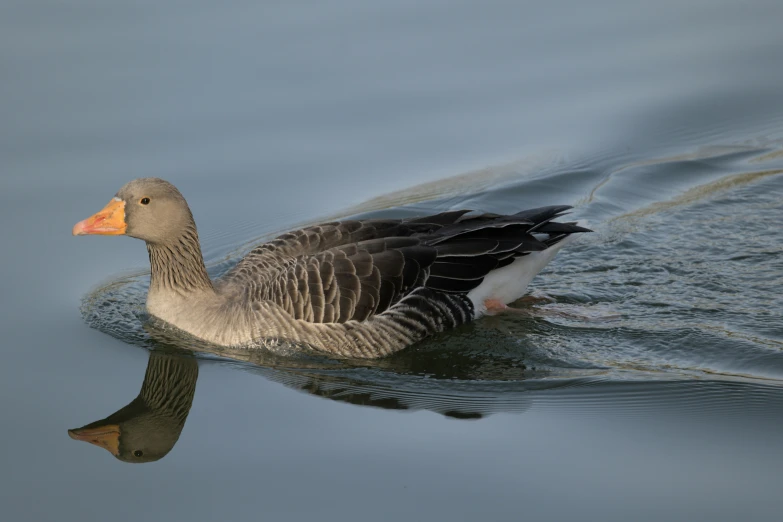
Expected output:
{"points": [[644, 384]]}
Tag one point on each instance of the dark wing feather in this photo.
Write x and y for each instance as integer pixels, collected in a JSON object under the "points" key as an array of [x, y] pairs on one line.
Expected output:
{"points": [[463, 270], [353, 270], [467, 247], [560, 228]]}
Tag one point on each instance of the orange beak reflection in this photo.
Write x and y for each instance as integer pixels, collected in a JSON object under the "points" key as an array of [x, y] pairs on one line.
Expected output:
{"points": [[108, 222], [106, 437]]}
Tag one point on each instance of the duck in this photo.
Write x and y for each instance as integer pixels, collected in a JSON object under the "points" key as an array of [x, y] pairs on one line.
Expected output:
{"points": [[354, 288]]}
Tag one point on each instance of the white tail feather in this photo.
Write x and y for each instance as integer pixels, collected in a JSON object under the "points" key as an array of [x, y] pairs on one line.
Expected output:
{"points": [[509, 283]]}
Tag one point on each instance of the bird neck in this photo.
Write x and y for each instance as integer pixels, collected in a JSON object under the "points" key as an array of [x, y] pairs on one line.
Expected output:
{"points": [[167, 392], [169, 385], [178, 266]]}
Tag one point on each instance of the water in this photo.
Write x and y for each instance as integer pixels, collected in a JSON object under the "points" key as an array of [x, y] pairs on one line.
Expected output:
{"points": [[645, 383]]}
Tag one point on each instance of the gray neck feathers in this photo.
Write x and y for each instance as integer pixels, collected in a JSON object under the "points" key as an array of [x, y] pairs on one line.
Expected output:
{"points": [[169, 385], [167, 392], [178, 266]]}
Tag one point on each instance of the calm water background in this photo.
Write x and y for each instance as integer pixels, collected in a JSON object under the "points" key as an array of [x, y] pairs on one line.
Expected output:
{"points": [[651, 388]]}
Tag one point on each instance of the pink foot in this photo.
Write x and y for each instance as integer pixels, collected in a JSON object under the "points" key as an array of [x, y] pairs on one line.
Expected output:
{"points": [[495, 307]]}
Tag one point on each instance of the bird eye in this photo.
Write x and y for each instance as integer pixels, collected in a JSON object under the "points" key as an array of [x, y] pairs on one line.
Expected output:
{"points": [[145, 201], [138, 453]]}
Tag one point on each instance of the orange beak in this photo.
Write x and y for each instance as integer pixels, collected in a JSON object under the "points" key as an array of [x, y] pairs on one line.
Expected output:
{"points": [[108, 222], [106, 437]]}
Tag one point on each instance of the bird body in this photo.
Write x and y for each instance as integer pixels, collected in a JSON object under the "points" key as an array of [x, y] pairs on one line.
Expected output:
{"points": [[353, 288]]}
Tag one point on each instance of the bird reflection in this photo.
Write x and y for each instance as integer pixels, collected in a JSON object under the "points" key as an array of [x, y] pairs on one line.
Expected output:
{"points": [[146, 429], [453, 383]]}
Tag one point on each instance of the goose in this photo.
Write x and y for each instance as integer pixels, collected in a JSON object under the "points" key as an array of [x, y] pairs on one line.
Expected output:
{"points": [[348, 289]]}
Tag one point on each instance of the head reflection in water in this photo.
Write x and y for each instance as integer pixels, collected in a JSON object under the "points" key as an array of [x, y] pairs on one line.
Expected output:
{"points": [[146, 429]]}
